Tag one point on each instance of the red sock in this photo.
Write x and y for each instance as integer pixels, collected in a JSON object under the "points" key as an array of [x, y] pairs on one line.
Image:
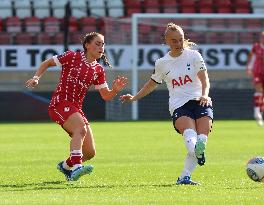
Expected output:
{"points": [[258, 99], [76, 157], [69, 162]]}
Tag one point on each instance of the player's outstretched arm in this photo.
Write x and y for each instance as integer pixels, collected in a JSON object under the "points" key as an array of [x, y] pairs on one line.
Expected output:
{"points": [[147, 88], [33, 82], [118, 84]]}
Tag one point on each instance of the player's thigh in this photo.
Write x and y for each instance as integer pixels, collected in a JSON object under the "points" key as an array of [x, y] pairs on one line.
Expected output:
{"points": [[88, 143], [204, 125], [75, 123], [183, 123]]}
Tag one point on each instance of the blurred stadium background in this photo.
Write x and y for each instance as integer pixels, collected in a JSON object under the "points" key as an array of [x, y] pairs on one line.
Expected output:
{"points": [[33, 30]]}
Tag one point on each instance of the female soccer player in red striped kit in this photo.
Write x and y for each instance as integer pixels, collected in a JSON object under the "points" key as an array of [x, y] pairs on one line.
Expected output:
{"points": [[255, 67], [79, 71]]}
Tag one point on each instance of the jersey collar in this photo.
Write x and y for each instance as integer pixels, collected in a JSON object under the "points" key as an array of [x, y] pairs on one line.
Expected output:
{"points": [[85, 60]]}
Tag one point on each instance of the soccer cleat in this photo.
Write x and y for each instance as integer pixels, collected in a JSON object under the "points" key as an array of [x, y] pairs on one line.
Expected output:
{"points": [[80, 171], [186, 181], [199, 152], [66, 172]]}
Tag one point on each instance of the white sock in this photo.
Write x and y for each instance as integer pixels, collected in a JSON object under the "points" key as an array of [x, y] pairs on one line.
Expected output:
{"points": [[202, 137], [190, 139], [257, 112], [257, 109], [189, 166]]}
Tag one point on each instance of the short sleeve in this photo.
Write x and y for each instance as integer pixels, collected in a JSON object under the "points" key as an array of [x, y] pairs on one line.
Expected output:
{"points": [[63, 58], [157, 75], [100, 79], [199, 63]]}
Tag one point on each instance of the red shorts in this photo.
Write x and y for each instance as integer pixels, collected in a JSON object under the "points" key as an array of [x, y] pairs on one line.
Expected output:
{"points": [[258, 79], [62, 111]]}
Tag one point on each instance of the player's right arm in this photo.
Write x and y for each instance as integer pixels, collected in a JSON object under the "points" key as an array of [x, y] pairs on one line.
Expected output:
{"points": [[251, 59], [145, 90], [33, 82], [250, 62], [149, 86]]}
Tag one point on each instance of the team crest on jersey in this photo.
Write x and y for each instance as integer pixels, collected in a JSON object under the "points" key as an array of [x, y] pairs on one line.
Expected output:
{"points": [[188, 66], [95, 76], [66, 109]]}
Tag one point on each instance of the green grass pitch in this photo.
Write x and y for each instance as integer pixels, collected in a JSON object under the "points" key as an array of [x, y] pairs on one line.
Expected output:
{"points": [[136, 163]]}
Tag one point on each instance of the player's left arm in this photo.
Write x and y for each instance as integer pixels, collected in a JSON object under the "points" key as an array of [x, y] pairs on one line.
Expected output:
{"points": [[203, 77], [118, 84], [251, 59]]}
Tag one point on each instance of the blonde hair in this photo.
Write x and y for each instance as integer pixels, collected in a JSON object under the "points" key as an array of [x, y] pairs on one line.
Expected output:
{"points": [[173, 27]]}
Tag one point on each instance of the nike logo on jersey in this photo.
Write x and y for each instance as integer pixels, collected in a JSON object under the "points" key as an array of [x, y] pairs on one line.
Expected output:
{"points": [[181, 81]]}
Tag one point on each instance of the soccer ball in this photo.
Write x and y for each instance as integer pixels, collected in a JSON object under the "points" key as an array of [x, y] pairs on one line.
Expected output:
{"points": [[255, 169]]}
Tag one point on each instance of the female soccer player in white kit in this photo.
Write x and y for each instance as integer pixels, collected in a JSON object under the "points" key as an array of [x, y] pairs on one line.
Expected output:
{"points": [[185, 74]]}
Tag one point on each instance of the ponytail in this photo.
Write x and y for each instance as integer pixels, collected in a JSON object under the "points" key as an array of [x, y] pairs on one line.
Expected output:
{"points": [[105, 60]]}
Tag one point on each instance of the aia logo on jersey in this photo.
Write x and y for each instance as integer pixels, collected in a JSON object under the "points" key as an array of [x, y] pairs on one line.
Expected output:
{"points": [[181, 81], [66, 109]]}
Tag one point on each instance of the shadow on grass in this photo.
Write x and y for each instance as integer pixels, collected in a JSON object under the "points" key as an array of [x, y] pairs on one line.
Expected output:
{"points": [[56, 185], [25, 186], [245, 188], [64, 185]]}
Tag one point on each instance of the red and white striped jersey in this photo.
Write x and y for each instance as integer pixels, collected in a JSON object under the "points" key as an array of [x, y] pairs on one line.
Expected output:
{"points": [[258, 51], [77, 75]]}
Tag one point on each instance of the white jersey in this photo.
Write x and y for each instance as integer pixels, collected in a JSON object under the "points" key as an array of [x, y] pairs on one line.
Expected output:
{"points": [[180, 75]]}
